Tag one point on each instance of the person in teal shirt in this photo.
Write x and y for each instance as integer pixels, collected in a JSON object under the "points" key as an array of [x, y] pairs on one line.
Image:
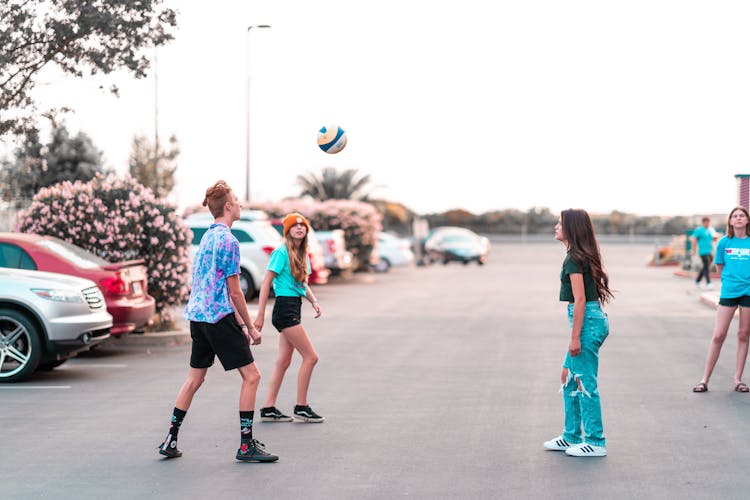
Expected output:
{"points": [[704, 237], [733, 262], [288, 272]]}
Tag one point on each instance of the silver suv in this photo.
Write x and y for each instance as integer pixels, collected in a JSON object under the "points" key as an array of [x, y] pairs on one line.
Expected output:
{"points": [[46, 318]]}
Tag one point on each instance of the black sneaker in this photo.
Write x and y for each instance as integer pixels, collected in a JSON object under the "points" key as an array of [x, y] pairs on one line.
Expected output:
{"points": [[253, 451], [169, 447], [306, 414], [271, 414]]}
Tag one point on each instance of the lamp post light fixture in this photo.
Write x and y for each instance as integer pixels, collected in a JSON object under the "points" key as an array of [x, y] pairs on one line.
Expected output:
{"points": [[247, 107]]}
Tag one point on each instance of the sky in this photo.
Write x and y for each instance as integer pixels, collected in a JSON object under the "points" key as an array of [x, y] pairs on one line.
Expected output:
{"points": [[639, 106]]}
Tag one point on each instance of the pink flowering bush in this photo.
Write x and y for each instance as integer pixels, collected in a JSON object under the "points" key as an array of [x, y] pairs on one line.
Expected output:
{"points": [[118, 219], [359, 220]]}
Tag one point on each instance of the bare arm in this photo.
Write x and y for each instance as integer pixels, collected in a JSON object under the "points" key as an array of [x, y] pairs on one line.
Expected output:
{"points": [[309, 295], [240, 307], [265, 289], [579, 309]]}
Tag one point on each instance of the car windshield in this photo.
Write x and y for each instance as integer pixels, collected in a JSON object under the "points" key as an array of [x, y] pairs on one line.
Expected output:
{"points": [[78, 256], [271, 234], [457, 238]]}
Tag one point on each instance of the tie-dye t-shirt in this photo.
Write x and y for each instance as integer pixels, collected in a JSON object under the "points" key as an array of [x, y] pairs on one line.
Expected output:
{"points": [[217, 258]]}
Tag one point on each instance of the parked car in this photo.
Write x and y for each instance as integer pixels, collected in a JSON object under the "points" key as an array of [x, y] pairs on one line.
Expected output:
{"points": [[124, 284], [257, 239], [319, 272], [447, 244], [45, 318], [393, 251], [337, 258]]}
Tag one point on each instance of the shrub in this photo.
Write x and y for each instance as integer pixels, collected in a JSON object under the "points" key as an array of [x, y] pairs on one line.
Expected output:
{"points": [[359, 220], [118, 219]]}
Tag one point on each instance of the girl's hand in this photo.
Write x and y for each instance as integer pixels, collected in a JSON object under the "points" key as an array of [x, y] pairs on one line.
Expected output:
{"points": [[258, 324], [255, 336], [575, 347], [316, 306]]}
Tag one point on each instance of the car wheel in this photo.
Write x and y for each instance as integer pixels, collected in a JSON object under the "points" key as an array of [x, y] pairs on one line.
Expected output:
{"points": [[20, 346], [246, 284], [51, 365], [382, 265]]}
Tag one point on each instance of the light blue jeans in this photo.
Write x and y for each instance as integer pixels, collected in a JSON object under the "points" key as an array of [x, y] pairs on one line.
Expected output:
{"points": [[580, 390]]}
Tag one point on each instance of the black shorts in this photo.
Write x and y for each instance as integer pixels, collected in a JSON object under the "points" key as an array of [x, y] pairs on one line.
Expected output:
{"points": [[743, 301], [224, 339], [287, 311]]}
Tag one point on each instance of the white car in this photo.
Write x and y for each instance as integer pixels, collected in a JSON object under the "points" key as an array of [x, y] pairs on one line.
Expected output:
{"points": [[46, 318], [257, 239], [393, 251]]}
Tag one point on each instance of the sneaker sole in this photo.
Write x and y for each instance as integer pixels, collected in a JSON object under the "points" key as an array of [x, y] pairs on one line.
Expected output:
{"points": [[308, 420], [169, 455], [257, 459], [273, 419], [554, 448], [591, 454]]}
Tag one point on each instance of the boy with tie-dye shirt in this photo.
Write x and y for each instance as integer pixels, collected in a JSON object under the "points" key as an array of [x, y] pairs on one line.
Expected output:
{"points": [[214, 301]]}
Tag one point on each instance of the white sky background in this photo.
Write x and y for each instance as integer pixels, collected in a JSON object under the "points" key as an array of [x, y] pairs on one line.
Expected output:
{"points": [[639, 106]]}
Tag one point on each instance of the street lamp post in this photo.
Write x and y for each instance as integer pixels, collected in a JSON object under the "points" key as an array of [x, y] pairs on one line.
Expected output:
{"points": [[247, 107]]}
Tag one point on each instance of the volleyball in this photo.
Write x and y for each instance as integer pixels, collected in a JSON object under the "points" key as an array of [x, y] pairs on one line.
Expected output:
{"points": [[331, 139]]}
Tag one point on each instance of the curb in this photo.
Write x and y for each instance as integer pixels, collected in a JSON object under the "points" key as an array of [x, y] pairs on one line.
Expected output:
{"points": [[170, 338]]}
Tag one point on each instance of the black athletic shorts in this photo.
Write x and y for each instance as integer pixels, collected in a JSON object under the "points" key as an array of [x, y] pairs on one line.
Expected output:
{"points": [[287, 312], [224, 339], [743, 301]]}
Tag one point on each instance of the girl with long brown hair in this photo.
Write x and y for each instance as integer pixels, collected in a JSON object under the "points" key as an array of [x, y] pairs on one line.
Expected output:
{"points": [[584, 285], [733, 262], [288, 272]]}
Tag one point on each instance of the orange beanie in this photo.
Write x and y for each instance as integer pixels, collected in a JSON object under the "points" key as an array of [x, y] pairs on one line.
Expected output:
{"points": [[292, 219]]}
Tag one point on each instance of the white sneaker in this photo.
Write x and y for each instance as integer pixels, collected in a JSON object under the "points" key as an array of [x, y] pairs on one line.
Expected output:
{"points": [[710, 286], [697, 285], [557, 444], [586, 450]]}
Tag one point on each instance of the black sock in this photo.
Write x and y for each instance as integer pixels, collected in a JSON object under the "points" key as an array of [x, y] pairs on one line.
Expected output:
{"points": [[177, 417], [246, 425]]}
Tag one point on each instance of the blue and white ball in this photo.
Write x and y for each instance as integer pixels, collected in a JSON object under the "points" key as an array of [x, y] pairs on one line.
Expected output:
{"points": [[331, 139]]}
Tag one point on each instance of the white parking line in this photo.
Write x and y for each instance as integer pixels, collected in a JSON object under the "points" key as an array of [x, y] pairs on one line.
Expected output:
{"points": [[86, 365], [23, 387]]}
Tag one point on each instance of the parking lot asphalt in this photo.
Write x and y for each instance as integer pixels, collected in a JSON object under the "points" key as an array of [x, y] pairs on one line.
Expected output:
{"points": [[436, 382]]}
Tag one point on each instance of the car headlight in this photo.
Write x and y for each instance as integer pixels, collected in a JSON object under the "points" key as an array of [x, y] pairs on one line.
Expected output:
{"points": [[58, 295]]}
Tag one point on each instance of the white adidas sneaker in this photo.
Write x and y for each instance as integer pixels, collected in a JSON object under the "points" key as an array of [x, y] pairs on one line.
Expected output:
{"points": [[586, 450], [557, 444]]}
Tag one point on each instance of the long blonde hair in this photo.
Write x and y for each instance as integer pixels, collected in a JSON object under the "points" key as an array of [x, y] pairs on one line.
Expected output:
{"points": [[297, 258]]}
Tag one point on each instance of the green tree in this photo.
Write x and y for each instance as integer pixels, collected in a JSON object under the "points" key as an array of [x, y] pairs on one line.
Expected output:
{"points": [[76, 36], [334, 185], [69, 158], [20, 177], [154, 169], [64, 158]]}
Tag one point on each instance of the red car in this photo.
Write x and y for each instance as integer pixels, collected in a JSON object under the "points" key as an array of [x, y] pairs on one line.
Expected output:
{"points": [[123, 283], [319, 272]]}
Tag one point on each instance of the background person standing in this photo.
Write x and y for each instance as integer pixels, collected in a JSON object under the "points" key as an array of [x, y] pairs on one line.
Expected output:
{"points": [[704, 237]]}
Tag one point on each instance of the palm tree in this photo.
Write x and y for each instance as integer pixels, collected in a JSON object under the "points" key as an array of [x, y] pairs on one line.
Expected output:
{"points": [[332, 184]]}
